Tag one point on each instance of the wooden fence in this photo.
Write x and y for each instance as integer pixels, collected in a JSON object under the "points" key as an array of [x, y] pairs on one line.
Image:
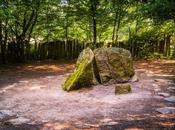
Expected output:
{"points": [[59, 50], [40, 51]]}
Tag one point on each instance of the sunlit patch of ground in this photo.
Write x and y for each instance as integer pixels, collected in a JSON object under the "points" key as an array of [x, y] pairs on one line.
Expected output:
{"points": [[34, 92], [161, 67]]}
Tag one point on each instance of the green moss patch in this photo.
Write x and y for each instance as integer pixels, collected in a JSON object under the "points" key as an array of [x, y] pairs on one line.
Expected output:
{"points": [[101, 66], [83, 76]]}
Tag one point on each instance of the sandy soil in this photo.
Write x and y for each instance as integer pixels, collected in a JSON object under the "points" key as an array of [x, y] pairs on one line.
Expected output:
{"points": [[33, 91]]}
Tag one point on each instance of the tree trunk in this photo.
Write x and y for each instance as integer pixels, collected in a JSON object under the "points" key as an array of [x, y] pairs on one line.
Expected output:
{"points": [[94, 32], [94, 22], [117, 29], [1, 41], [167, 45], [114, 28]]}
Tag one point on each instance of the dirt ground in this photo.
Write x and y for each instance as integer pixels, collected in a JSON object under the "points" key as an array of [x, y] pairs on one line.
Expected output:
{"points": [[34, 92]]}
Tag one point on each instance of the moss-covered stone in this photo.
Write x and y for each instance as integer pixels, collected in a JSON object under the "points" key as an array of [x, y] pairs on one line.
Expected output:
{"points": [[100, 66], [83, 75], [122, 88], [114, 63]]}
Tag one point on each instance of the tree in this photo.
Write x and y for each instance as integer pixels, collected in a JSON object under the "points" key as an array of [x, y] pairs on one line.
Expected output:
{"points": [[21, 16]]}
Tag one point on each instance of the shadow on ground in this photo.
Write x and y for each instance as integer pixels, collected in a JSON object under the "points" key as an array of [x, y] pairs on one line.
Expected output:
{"points": [[132, 122], [11, 74]]}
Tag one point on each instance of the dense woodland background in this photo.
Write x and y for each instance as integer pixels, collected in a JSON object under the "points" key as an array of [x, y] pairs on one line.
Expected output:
{"points": [[60, 29]]}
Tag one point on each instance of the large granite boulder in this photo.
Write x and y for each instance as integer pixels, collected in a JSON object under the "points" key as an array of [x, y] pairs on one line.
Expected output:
{"points": [[100, 66], [114, 63], [83, 75]]}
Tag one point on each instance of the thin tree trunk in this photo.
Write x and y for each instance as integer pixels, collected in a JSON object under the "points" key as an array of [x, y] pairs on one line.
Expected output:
{"points": [[114, 28], [94, 31], [117, 29], [1, 41], [5, 42], [168, 37], [94, 22]]}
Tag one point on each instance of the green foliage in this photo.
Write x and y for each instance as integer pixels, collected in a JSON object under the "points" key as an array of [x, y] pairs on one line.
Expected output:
{"points": [[142, 24]]}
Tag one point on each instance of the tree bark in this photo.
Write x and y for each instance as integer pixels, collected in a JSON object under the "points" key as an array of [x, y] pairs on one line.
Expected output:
{"points": [[94, 20], [117, 29], [114, 28], [1, 41]]}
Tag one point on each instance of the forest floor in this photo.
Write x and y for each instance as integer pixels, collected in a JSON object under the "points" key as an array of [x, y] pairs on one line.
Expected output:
{"points": [[31, 98]]}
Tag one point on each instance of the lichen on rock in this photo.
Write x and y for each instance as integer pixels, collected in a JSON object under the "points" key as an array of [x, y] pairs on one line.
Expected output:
{"points": [[83, 75], [100, 66], [114, 63]]}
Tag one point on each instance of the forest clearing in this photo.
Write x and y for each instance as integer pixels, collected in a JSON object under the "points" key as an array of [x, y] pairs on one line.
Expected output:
{"points": [[87, 65]]}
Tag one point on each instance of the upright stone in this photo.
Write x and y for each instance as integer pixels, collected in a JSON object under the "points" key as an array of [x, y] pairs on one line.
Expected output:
{"points": [[101, 66], [114, 63], [83, 75]]}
